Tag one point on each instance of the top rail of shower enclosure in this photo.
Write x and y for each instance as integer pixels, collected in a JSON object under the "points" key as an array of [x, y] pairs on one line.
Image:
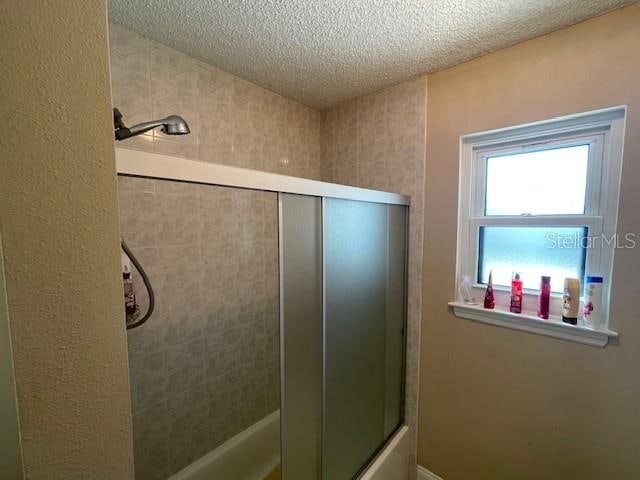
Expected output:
{"points": [[154, 165]]}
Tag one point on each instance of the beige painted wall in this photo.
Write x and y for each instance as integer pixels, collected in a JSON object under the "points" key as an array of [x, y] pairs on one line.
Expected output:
{"points": [[498, 403], [11, 458], [59, 220]]}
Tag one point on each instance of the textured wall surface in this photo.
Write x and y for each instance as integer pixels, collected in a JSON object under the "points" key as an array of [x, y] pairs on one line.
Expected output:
{"points": [[324, 53], [206, 364], [378, 141], [499, 403], [232, 121], [59, 222]]}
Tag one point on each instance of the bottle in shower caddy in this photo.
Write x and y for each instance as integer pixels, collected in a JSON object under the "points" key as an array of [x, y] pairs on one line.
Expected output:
{"points": [[130, 305], [516, 294], [543, 298]]}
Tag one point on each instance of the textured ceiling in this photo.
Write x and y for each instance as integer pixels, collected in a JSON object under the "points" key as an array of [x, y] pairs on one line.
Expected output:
{"points": [[324, 52]]}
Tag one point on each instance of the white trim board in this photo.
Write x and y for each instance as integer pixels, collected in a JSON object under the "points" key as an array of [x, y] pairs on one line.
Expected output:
{"points": [[155, 165], [529, 322], [424, 474]]}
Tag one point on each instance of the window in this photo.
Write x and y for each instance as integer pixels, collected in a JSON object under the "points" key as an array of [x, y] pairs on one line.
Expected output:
{"points": [[540, 199]]}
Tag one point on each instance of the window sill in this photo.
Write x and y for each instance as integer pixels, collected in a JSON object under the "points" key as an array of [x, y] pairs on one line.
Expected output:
{"points": [[530, 323]]}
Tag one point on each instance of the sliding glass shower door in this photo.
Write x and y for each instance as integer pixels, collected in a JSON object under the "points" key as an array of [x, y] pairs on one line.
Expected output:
{"points": [[301, 335], [276, 348], [350, 346], [364, 245]]}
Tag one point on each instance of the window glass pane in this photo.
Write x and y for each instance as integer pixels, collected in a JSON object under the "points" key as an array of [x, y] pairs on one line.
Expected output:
{"points": [[546, 182], [533, 251]]}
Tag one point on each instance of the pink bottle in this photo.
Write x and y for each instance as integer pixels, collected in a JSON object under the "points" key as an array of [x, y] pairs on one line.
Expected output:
{"points": [[543, 299], [516, 294], [489, 300]]}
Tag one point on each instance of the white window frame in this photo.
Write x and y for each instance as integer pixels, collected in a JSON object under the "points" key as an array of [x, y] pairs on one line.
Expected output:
{"points": [[603, 131]]}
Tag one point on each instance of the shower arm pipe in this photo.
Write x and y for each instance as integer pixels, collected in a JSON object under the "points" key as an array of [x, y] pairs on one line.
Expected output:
{"points": [[139, 129], [145, 280]]}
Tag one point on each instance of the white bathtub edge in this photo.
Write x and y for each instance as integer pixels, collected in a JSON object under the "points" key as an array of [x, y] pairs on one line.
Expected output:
{"points": [[204, 463], [392, 462]]}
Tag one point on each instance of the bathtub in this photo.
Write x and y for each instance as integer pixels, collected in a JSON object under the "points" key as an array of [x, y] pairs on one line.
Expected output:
{"points": [[255, 452], [250, 455], [392, 463]]}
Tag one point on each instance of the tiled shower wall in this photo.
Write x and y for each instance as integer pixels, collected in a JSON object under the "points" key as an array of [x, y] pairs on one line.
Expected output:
{"points": [[196, 379], [206, 365], [233, 122], [379, 141]]}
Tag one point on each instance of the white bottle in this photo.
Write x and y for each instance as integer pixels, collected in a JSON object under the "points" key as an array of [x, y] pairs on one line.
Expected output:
{"points": [[593, 302]]}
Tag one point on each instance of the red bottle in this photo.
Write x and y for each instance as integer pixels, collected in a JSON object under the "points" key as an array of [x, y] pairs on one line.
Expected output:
{"points": [[516, 294], [489, 300], [543, 299]]}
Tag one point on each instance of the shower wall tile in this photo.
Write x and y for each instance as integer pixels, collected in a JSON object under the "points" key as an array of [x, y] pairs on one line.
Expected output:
{"points": [[170, 147], [178, 217], [148, 379], [232, 121], [185, 366], [139, 217], [136, 184], [132, 93], [130, 50], [187, 411], [189, 447], [206, 365], [379, 141]]}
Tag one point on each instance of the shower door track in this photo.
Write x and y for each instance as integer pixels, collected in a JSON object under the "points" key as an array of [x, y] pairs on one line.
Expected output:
{"points": [[153, 165]]}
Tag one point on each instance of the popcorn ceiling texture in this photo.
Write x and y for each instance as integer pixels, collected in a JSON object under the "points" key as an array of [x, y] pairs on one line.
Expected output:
{"points": [[323, 53]]}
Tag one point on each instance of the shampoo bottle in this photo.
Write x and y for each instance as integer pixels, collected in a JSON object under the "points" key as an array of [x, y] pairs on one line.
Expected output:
{"points": [[571, 300], [593, 302]]}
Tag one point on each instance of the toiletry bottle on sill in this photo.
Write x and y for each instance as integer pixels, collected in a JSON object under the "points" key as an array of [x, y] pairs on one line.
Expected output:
{"points": [[543, 299], [593, 302], [489, 300], [516, 294], [571, 300]]}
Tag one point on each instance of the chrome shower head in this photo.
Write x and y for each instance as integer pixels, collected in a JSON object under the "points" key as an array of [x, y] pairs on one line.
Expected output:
{"points": [[171, 125], [174, 125]]}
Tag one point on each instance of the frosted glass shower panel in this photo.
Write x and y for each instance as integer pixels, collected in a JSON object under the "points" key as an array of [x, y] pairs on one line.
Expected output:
{"points": [[301, 337], [364, 252]]}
